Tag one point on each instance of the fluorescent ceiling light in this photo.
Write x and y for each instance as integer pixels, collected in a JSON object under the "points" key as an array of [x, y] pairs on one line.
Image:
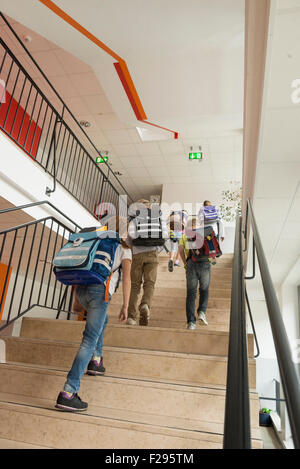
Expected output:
{"points": [[150, 135]]}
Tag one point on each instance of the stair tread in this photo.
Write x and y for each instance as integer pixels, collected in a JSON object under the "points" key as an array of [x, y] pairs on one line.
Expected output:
{"points": [[211, 329], [120, 378], [181, 325], [128, 349], [170, 309], [153, 323], [13, 444], [115, 417]]}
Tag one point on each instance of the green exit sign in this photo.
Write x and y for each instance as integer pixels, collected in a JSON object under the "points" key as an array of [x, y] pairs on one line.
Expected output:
{"points": [[101, 159], [195, 156]]}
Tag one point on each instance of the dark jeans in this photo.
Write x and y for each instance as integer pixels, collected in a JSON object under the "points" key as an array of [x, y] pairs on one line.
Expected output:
{"points": [[197, 272]]}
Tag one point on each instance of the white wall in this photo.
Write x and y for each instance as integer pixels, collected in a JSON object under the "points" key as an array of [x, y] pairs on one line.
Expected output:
{"points": [[192, 194]]}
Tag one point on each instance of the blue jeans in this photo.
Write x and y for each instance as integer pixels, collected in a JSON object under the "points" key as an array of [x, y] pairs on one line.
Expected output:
{"points": [[197, 272], [91, 297]]}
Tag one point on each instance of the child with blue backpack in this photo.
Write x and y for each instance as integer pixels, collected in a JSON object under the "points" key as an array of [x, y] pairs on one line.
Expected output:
{"points": [[95, 299]]}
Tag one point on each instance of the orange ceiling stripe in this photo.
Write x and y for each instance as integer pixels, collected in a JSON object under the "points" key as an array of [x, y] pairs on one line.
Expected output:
{"points": [[63, 15], [176, 134], [130, 90], [121, 66]]}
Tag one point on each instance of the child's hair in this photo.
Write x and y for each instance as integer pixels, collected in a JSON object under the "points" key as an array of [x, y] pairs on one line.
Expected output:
{"points": [[206, 202], [194, 222], [145, 202]]}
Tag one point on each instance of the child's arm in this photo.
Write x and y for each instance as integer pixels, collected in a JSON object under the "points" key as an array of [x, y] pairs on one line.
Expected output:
{"points": [[126, 282]]}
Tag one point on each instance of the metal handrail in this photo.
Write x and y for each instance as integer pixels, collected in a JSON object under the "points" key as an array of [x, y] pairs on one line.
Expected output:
{"points": [[289, 377], [76, 166], [36, 204], [65, 107], [237, 420], [42, 239], [237, 432], [252, 324], [36, 126]]}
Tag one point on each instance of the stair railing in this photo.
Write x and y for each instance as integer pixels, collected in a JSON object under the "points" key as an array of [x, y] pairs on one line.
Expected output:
{"points": [[37, 204], [27, 252], [46, 129], [237, 434]]}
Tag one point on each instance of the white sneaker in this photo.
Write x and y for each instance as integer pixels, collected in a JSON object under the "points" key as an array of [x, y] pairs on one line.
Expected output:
{"points": [[202, 318], [191, 326], [131, 322]]}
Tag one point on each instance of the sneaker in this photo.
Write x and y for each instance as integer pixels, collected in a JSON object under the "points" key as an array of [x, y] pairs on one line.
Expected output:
{"points": [[170, 265], [70, 402], [131, 322], [95, 367], [202, 318], [191, 326], [177, 264], [144, 314]]}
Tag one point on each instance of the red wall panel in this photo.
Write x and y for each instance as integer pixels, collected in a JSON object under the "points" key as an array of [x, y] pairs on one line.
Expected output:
{"points": [[16, 119]]}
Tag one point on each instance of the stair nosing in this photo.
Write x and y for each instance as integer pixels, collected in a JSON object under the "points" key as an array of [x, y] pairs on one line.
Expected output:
{"points": [[109, 377]]}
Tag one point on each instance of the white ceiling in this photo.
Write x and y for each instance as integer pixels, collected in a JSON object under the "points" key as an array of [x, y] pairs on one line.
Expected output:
{"points": [[186, 61], [277, 189]]}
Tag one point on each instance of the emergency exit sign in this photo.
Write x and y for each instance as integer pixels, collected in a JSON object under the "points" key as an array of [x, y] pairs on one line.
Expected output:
{"points": [[195, 156], [101, 159]]}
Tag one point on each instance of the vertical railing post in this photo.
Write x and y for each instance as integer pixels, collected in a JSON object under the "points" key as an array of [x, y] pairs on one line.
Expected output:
{"points": [[53, 143]]}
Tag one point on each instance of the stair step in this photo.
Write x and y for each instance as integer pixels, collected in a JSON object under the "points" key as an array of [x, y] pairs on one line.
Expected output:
{"points": [[180, 282], [144, 363], [35, 421], [201, 341], [179, 291], [225, 258], [172, 313], [216, 273], [221, 263], [164, 301], [13, 444], [196, 404], [42, 424], [177, 324]]}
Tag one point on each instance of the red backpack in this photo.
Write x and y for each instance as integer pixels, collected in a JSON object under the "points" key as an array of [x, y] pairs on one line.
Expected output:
{"points": [[210, 249]]}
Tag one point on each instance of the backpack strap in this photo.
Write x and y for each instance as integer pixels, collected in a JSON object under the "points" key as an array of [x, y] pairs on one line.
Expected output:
{"points": [[106, 298]]}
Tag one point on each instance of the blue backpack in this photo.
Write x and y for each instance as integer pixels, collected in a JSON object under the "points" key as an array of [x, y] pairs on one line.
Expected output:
{"points": [[211, 213], [87, 258]]}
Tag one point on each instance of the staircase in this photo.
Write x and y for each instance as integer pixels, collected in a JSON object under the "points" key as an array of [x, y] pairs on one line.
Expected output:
{"points": [[164, 386]]}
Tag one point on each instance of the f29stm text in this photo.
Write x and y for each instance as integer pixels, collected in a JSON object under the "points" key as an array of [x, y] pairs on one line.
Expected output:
{"points": [[175, 458]]}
